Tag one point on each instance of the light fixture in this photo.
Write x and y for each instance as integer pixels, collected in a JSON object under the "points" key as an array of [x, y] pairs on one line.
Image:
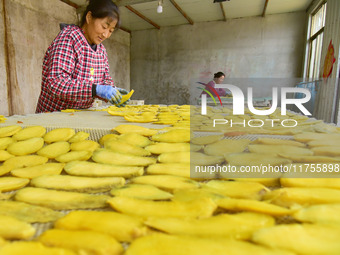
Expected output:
{"points": [[160, 6]]}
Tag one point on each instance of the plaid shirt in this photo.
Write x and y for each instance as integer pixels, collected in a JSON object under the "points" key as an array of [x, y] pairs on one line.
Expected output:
{"points": [[70, 68]]}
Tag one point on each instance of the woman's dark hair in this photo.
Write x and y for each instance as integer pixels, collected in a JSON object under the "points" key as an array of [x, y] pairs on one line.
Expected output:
{"points": [[218, 75], [102, 9]]}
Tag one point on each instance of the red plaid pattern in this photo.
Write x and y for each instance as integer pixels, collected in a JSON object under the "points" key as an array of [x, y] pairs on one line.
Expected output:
{"points": [[70, 67]]}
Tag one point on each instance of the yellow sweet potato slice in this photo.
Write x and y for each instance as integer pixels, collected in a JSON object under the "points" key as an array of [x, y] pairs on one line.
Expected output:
{"points": [[122, 227], [28, 213], [276, 141], [5, 196], [126, 97], [9, 130], [12, 183], [141, 191], [11, 228], [329, 151], [185, 195], [29, 132], [177, 169], [310, 136], [4, 170], [146, 208], [166, 182], [226, 146], [232, 204], [5, 141], [74, 156], [54, 150], [104, 138], [2, 242], [135, 139], [75, 183], [87, 242], [190, 245], [195, 158], [304, 196], [26, 147], [124, 129], [86, 145], [175, 157], [320, 214], [125, 148], [279, 149], [60, 200], [333, 183], [300, 238], [111, 157], [320, 143], [4, 155], [273, 181], [255, 159], [78, 137], [59, 134], [35, 171], [140, 118], [204, 140], [309, 159], [35, 248], [173, 136], [25, 161], [246, 190], [85, 168], [160, 148], [238, 226]]}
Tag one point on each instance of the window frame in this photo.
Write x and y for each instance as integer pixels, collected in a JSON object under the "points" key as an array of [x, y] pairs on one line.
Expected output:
{"points": [[307, 74]]}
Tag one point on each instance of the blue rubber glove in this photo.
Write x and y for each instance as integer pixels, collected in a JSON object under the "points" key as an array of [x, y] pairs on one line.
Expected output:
{"points": [[124, 104], [123, 91], [109, 93]]}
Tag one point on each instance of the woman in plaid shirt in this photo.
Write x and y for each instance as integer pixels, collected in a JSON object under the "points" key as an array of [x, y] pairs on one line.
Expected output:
{"points": [[75, 67]]}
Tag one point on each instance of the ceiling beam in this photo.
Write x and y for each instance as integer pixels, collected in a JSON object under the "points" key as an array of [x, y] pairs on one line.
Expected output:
{"points": [[70, 3], [142, 16], [265, 8], [131, 2], [223, 12], [182, 12]]}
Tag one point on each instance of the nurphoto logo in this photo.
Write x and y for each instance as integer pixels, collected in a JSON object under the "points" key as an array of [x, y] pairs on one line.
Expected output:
{"points": [[238, 102]]}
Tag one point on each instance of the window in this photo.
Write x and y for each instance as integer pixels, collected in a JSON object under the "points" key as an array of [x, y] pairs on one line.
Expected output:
{"points": [[314, 43]]}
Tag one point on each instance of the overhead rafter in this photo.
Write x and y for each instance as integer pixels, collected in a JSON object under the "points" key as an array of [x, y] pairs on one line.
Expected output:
{"points": [[265, 8], [182, 12], [142, 16], [131, 2], [70, 3], [223, 12]]}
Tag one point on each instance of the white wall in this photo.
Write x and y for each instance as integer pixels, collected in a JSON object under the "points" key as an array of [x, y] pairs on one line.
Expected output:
{"points": [[166, 62]]}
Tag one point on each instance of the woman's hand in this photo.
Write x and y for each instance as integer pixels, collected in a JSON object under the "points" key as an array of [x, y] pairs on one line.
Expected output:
{"points": [[109, 93]]}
